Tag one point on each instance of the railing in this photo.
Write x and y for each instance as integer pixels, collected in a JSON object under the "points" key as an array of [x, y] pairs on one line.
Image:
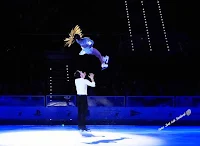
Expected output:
{"points": [[22, 100], [101, 101]]}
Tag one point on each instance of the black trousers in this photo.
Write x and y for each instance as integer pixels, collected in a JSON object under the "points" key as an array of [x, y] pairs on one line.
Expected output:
{"points": [[82, 105]]}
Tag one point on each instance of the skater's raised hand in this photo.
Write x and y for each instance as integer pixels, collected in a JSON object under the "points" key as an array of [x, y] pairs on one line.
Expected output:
{"points": [[91, 76]]}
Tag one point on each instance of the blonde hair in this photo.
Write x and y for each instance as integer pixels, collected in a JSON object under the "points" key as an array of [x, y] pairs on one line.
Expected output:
{"points": [[70, 40]]}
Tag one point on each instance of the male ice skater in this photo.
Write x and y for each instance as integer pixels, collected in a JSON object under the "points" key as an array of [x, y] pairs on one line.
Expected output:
{"points": [[86, 45], [81, 88]]}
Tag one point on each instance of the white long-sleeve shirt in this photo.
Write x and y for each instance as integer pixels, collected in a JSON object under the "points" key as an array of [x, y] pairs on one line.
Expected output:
{"points": [[81, 86]]}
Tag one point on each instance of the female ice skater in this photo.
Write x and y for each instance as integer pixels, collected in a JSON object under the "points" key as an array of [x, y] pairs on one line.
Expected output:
{"points": [[86, 44]]}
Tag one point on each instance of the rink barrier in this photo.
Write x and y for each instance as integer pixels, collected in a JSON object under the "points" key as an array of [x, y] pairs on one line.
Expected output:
{"points": [[101, 108]]}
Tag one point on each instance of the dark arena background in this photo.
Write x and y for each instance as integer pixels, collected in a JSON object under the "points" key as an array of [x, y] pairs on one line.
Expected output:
{"points": [[148, 96]]}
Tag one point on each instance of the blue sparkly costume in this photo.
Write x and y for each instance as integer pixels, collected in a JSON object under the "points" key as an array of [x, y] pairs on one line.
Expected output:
{"points": [[86, 45], [87, 48]]}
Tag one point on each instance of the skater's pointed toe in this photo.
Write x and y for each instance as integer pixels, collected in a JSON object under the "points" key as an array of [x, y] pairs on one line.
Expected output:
{"points": [[106, 59]]}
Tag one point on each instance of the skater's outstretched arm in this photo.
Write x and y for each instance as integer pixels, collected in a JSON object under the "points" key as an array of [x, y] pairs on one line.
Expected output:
{"points": [[91, 84]]}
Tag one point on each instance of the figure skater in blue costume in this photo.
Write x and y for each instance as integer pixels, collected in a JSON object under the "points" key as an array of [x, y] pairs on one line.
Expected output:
{"points": [[87, 46]]}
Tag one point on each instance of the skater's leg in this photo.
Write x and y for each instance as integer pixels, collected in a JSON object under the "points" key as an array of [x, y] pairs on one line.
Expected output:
{"points": [[82, 112], [96, 53], [85, 109], [79, 112], [103, 60]]}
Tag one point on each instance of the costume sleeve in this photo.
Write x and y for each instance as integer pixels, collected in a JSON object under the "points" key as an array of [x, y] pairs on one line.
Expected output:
{"points": [[91, 84]]}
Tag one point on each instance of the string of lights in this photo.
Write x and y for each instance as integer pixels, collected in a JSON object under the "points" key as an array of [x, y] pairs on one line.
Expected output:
{"points": [[129, 25], [163, 25], [67, 70], [50, 85], [146, 25]]}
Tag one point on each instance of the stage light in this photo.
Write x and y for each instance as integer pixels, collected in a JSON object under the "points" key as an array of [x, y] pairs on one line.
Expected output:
{"points": [[163, 25], [146, 25], [50, 82], [129, 25], [67, 69]]}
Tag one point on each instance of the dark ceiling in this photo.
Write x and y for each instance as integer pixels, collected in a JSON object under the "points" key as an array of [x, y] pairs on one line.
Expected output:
{"points": [[30, 27], [43, 24]]}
